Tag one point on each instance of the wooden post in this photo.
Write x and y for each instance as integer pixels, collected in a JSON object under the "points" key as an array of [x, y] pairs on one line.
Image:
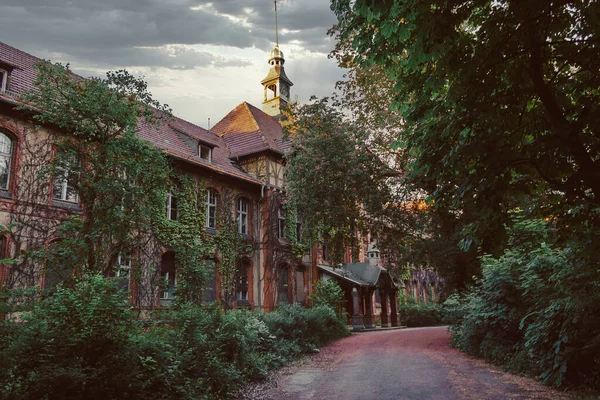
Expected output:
{"points": [[357, 318], [369, 321], [394, 308], [384, 309]]}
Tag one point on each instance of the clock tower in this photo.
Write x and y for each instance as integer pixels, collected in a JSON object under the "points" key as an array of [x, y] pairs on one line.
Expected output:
{"points": [[276, 84]]}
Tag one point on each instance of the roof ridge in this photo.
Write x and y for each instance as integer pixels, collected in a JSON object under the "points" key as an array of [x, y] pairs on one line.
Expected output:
{"points": [[253, 118]]}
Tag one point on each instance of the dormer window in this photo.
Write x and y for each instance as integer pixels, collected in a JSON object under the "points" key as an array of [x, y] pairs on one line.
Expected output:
{"points": [[3, 79], [205, 152]]}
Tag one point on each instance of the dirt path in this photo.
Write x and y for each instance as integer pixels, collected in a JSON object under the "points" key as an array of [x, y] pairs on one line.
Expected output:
{"points": [[399, 364]]}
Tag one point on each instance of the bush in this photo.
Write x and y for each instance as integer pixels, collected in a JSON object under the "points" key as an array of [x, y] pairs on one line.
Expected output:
{"points": [[84, 343], [535, 310], [413, 315], [73, 344], [305, 329], [329, 293]]}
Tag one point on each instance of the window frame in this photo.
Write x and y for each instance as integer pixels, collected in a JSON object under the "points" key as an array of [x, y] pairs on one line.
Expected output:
{"points": [[64, 185], [3, 80], [171, 199], [242, 215], [210, 204], [281, 223], [202, 146], [10, 157], [242, 283], [124, 268]]}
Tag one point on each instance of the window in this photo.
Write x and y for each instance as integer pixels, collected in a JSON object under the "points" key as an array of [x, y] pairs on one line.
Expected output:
{"points": [[168, 276], [56, 272], [211, 208], [242, 216], [299, 228], [6, 153], [172, 212], [66, 180], [3, 79], [205, 152], [123, 271], [284, 285], [241, 283], [209, 293], [281, 223]]}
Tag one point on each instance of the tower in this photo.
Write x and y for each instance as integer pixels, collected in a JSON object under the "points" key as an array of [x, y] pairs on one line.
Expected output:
{"points": [[276, 84]]}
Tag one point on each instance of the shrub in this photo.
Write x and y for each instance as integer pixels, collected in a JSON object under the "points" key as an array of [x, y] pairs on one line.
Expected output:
{"points": [[329, 293], [413, 315], [536, 309], [73, 344], [85, 343], [305, 329]]}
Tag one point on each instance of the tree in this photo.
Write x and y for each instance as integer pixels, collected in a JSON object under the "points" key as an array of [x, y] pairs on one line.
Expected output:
{"points": [[499, 102], [335, 181], [118, 179]]}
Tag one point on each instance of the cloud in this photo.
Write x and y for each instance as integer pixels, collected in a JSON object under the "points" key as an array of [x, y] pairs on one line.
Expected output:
{"points": [[190, 50]]}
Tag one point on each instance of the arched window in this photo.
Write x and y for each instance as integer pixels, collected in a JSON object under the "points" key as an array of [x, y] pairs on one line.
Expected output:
{"points": [[242, 216], [6, 154], [211, 208]]}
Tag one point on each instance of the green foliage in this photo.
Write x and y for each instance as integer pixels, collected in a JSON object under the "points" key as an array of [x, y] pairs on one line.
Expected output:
{"points": [[83, 342], [119, 179], [535, 309], [413, 315], [187, 238], [330, 179], [305, 329], [327, 292], [73, 344], [229, 245]]}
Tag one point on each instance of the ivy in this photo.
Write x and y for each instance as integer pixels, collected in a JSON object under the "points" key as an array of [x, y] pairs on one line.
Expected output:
{"points": [[188, 239]]}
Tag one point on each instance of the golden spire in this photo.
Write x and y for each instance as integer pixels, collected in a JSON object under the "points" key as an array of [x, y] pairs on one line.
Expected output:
{"points": [[276, 27]]}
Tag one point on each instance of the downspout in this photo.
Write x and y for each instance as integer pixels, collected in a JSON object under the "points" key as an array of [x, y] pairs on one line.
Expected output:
{"points": [[262, 195]]}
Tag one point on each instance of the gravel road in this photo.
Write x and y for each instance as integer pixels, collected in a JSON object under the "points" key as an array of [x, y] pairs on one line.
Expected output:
{"points": [[397, 364]]}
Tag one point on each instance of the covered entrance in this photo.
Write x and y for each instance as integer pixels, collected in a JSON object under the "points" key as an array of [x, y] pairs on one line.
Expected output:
{"points": [[364, 284]]}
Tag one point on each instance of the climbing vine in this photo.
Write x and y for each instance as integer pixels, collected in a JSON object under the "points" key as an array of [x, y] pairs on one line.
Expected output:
{"points": [[187, 238], [229, 247]]}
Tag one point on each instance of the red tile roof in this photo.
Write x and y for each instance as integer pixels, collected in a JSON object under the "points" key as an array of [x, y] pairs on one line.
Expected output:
{"points": [[178, 138], [247, 130]]}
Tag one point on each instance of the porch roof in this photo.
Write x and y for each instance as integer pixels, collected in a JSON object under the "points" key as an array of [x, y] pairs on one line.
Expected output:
{"points": [[362, 274]]}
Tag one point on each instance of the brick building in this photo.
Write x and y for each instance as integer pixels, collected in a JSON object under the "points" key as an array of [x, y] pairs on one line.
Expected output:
{"points": [[240, 159]]}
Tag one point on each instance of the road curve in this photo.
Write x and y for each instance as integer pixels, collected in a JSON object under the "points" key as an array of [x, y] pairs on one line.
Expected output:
{"points": [[403, 364]]}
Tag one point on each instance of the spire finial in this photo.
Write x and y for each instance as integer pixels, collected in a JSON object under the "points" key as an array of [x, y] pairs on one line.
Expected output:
{"points": [[276, 27]]}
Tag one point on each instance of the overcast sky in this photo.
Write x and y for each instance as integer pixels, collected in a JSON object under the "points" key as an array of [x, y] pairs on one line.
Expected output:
{"points": [[201, 57]]}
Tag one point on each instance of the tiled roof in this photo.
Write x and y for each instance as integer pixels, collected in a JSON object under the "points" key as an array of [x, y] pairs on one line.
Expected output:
{"points": [[178, 138], [248, 130], [23, 75]]}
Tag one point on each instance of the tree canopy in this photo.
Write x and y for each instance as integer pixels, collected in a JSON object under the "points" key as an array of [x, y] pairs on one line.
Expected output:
{"points": [[499, 100]]}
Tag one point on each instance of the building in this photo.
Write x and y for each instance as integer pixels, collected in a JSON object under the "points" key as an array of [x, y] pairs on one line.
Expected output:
{"points": [[240, 162]]}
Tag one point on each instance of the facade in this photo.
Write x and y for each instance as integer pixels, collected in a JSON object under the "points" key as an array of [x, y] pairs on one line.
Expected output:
{"points": [[240, 162]]}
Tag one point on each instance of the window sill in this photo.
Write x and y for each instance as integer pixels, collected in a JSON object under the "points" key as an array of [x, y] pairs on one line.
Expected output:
{"points": [[67, 205], [165, 302], [4, 194], [211, 231]]}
